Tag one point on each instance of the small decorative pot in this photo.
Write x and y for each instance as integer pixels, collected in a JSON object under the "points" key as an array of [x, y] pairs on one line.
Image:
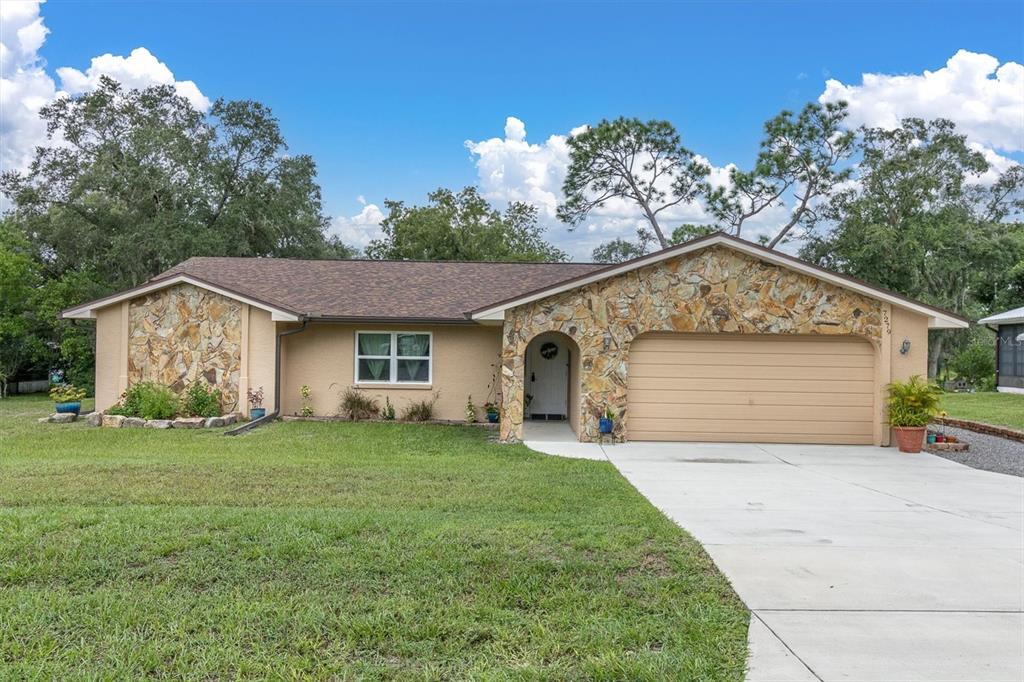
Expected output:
{"points": [[69, 408], [492, 417], [605, 425], [940, 438], [257, 412], [931, 438], [909, 438]]}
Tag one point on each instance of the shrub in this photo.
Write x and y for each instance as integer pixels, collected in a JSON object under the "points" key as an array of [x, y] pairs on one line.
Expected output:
{"points": [[66, 393], [147, 400], [306, 392], [357, 405], [200, 401], [913, 402], [975, 364], [421, 410], [388, 413], [470, 410]]}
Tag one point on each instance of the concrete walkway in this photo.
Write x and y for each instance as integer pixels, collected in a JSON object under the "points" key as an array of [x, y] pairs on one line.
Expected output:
{"points": [[858, 563]]}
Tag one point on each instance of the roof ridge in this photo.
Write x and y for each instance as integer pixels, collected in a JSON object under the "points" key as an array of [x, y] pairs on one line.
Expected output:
{"points": [[386, 260]]}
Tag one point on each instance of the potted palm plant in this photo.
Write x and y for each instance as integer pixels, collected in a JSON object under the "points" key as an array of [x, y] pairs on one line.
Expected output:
{"points": [[912, 405]]}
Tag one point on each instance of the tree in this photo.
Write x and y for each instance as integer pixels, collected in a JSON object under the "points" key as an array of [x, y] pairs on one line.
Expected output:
{"points": [[920, 222], [619, 250], [462, 227], [628, 159], [799, 155], [137, 181], [976, 364], [689, 231], [143, 181]]}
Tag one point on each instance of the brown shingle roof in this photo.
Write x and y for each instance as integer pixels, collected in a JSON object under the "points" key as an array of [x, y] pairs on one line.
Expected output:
{"points": [[408, 290]]}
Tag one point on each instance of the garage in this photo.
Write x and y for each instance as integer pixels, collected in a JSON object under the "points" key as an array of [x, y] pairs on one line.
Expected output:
{"points": [[751, 388]]}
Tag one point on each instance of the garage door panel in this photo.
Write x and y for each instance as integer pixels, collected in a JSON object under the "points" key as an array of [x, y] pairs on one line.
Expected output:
{"points": [[753, 388], [753, 412], [647, 357], [750, 437], [820, 385], [687, 397], [722, 371], [775, 426], [718, 344]]}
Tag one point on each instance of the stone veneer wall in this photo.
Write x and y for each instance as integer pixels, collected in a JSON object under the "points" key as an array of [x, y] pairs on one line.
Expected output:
{"points": [[183, 333], [713, 290]]}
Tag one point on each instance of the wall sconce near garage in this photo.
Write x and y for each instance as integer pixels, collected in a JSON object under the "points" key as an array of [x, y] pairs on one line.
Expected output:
{"points": [[905, 347]]}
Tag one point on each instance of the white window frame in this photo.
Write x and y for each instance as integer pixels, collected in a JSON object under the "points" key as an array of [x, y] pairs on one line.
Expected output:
{"points": [[393, 358]]}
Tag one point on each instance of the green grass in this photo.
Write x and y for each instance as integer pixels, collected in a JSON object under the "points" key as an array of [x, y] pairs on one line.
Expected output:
{"points": [[341, 551], [1000, 409]]}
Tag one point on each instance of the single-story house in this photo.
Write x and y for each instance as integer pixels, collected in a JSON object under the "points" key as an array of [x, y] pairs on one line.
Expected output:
{"points": [[717, 339], [1009, 328]]}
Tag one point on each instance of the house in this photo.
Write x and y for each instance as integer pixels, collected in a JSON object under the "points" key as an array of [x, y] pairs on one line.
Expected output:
{"points": [[717, 339], [1009, 328]]}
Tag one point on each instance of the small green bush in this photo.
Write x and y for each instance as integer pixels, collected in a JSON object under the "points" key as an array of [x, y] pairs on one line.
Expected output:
{"points": [[388, 413], [66, 393], [975, 364], [357, 405], [421, 410], [200, 401], [913, 402], [147, 400]]}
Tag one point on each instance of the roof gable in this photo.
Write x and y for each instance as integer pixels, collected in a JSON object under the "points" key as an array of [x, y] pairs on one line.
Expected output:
{"points": [[937, 318]]}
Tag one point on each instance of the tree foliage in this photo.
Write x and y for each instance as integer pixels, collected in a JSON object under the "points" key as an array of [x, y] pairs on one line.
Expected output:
{"points": [[640, 162], [462, 227], [135, 181], [800, 155], [919, 221]]}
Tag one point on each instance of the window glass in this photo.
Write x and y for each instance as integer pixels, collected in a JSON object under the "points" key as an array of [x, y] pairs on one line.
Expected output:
{"points": [[415, 345], [393, 357]]}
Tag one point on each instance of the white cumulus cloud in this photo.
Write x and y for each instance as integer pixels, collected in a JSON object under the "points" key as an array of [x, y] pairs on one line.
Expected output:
{"points": [[359, 230], [983, 97], [26, 86]]}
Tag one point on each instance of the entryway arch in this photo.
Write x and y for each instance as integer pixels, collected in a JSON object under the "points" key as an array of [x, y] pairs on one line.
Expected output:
{"points": [[551, 379]]}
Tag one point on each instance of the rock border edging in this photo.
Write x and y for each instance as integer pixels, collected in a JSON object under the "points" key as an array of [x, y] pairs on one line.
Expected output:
{"points": [[982, 427]]}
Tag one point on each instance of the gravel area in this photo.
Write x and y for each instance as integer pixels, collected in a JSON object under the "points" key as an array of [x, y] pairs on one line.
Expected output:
{"points": [[990, 453]]}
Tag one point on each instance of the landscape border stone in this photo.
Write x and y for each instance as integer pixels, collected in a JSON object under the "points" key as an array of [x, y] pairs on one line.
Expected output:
{"points": [[981, 427]]}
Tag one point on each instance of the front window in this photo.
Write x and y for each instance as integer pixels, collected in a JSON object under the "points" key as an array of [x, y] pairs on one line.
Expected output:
{"points": [[393, 357]]}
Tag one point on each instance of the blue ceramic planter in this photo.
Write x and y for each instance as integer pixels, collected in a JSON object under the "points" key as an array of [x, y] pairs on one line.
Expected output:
{"points": [[69, 408], [606, 425], [492, 417], [257, 413]]}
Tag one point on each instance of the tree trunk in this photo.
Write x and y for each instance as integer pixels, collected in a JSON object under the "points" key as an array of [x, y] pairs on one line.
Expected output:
{"points": [[935, 354]]}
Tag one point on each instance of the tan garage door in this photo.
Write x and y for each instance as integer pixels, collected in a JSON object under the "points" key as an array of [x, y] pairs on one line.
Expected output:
{"points": [[769, 389]]}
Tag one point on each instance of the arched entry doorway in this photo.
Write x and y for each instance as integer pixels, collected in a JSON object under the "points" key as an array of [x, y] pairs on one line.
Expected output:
{"points": [[551, 391]]}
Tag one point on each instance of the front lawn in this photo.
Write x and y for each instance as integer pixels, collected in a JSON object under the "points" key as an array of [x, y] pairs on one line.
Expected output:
{"points": [[1000, 409], [352, 551]]}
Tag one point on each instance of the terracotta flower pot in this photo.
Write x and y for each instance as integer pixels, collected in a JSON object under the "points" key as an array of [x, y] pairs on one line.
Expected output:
{"points": [[909, 438]]}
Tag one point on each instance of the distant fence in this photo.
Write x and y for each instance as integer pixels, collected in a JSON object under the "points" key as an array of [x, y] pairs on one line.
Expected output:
{"points": [[33, 386]]}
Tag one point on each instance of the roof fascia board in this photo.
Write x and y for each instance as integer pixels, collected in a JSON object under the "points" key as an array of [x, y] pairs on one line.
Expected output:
{"points": [[937, 320], [88, 310]]}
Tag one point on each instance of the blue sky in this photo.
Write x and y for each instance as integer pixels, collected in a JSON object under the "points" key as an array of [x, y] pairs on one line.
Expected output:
{"points": [[385, 95]]}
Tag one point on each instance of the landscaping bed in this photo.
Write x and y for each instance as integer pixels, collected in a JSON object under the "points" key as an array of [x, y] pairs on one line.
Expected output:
{"points": [[342, 551], [986, 452]]}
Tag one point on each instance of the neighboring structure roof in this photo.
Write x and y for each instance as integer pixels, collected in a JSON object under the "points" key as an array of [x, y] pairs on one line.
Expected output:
{"points": [[1014, 316], [356, 289], [937, 317]]}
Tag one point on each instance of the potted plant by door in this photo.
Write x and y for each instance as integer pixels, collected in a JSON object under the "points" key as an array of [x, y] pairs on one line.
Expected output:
{"points": [[492, 412], [912, 405], [256, 409], [606, 424], [68, 399]]}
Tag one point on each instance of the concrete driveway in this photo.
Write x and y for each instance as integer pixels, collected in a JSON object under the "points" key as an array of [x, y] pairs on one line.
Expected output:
{"points": [[858, 563]]}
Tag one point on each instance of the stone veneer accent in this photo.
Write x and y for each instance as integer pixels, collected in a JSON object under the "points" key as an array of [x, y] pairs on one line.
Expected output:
{"points": [[709, 291], [183, 334]]}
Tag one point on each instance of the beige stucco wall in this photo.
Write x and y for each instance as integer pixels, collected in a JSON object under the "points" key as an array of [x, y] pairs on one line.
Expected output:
{"points": [[109, 346], [914, 328], [259, 357], [323, 357]]}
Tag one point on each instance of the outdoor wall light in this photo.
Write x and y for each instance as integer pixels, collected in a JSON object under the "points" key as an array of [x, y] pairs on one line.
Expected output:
{"points": [[905, 347]]}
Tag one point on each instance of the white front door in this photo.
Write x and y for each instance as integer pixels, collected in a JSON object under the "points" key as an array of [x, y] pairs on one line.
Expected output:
{"points": [[547, 376]]}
